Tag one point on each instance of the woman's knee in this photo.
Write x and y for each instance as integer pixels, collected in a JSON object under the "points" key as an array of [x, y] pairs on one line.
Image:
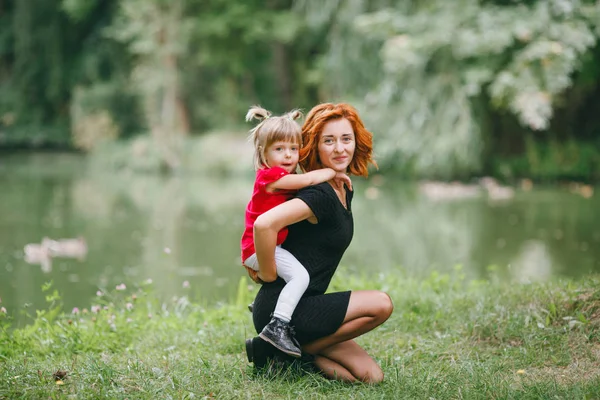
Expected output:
{"points": [[372, 374], [385, 307]]}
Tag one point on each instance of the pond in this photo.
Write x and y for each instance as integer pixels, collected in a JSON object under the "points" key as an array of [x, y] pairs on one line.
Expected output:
{"points": [[183, 232]]}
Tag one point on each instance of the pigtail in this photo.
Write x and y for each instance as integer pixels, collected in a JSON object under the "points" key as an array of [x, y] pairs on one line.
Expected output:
{"points": [[295, 114], [257, 112]]}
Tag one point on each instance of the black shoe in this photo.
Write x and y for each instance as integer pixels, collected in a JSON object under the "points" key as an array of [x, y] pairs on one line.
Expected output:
{"points": [[279, 334], [260, 352], [249, 350], [251, 307]]}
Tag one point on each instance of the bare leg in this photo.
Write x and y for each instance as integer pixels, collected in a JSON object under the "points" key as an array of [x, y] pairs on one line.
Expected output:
{"points": [[338, 356], [349, 362], [367, 310]]}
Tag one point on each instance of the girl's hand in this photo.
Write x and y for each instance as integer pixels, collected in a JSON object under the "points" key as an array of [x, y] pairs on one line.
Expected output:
{"points": [[253, 275], [343, 178]]}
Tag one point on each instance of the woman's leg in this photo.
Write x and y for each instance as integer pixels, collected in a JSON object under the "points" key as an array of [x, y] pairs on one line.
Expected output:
{"points": [[367, 309], [341, 358], [347, 361]]}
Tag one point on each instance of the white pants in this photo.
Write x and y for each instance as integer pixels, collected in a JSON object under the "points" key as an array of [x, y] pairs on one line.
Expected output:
{"points": [[295, 276]]}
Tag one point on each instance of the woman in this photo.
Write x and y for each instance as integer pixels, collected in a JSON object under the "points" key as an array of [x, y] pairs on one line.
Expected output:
{"points": [[320, 226]]}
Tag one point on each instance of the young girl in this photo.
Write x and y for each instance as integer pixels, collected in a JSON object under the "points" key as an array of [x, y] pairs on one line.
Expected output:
{"points": [[277, 140]]}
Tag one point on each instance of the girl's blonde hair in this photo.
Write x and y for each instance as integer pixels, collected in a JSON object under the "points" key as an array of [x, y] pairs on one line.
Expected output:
{"points": [[272, 129]]}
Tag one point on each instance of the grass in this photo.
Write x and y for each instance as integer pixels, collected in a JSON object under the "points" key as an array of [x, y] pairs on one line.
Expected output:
{"points": [[448, 338]]}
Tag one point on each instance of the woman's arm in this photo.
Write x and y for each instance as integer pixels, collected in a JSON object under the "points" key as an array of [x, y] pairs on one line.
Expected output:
{"points": [[266, 227]]}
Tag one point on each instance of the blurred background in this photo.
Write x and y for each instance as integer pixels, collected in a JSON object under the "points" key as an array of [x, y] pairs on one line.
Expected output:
{"points": [[123, 151]]}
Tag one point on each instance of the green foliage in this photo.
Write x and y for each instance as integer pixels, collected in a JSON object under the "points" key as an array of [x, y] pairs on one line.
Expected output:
{"points": [[438, 82], [199, 155], [551, 160], [446, 65]]}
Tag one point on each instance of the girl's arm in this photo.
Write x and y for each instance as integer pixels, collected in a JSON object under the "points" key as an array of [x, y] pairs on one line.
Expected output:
{"points": [[299, 181], [266, 227]]}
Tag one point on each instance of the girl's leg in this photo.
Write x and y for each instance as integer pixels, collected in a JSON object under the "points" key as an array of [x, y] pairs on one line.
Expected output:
{"points": [[296, 278], [367, 310], [277, 332], [349, 362]]}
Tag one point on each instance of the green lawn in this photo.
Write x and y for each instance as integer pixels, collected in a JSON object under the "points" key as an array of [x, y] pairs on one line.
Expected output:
{"points": [[449, 338]]}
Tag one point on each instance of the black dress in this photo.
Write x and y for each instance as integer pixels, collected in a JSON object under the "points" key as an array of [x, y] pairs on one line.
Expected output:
{"points": [[319, 247]]}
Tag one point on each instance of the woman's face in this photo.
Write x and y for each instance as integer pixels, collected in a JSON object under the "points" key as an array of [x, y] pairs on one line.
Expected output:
{"points": [[336, 144]]}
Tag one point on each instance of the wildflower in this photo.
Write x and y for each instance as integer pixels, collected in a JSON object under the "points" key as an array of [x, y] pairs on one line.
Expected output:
{"points": [[149, 315], [121, 287], [75, 311], [186, 284], [521, 371], [3, 310], [99, 293], [129, 320], [133, 297], [59, 382], [129, 306], [85, 311], [167, 250], [106, 308], [149, 281], [96, 309]]}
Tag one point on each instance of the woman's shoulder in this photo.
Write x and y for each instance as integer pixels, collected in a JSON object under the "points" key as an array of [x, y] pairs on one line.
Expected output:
{"points": [[320, 189], [320, 198]]}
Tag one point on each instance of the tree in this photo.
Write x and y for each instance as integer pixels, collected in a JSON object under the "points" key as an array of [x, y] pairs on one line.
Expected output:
{"points": [[447, 65]]}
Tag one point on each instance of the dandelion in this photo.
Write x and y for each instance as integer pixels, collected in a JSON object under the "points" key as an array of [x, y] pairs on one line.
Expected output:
{"points": [[99, 293], [129, 306], [186, 284], [521, 371], [121, 287], [75, 311], [59, 382]]}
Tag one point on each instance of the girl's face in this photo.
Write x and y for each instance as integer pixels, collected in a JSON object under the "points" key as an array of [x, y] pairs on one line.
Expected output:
{"points": [[283, 154], [337, 144]]}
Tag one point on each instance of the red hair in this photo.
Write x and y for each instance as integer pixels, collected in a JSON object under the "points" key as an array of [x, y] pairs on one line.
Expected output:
{"points": [[316, 119]]}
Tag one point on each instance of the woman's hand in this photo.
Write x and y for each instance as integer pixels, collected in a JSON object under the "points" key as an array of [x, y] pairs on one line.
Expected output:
{"points": [[343, 178], [253, 275]]}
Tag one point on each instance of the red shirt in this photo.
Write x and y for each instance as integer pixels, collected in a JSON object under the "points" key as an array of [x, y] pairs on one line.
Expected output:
{"points": [[262, 201]]}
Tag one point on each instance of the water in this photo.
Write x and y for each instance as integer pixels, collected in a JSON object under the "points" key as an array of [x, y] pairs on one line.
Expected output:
{"points": [[183, 232]]}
